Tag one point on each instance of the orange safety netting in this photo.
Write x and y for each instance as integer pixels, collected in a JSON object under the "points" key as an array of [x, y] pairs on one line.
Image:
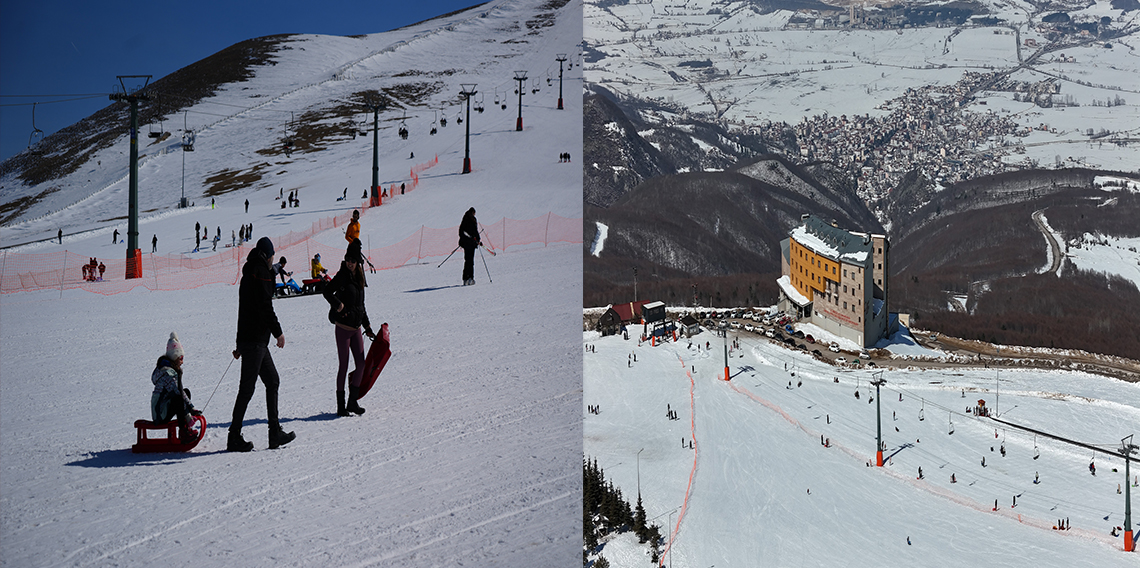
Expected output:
{"points": [[64, 270]]}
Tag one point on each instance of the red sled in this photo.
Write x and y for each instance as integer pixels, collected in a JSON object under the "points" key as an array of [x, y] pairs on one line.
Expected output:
{"points": [[172, 442], [377, 357]]}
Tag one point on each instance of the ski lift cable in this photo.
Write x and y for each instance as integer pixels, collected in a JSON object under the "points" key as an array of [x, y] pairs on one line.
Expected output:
{"points": [[84, 98], [919, 450], [938, 458]]}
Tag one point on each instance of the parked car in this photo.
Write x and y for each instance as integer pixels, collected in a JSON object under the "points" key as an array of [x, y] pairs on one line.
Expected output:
{"points": [[748, 327], [770, 332], [799, 334], [840, 360], [834, 347], [809, 338], [816, 353], [864, 355]]}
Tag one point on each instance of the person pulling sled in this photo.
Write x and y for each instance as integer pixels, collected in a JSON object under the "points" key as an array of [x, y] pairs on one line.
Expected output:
{"points": [[256, 322]]}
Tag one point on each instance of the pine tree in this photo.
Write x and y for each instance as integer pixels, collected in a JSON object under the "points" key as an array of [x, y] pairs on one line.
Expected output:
{"points": [[639, 522]]}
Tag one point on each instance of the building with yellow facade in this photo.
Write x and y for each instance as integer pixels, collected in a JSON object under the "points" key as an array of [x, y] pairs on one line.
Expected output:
{"points": [[836, 280]]}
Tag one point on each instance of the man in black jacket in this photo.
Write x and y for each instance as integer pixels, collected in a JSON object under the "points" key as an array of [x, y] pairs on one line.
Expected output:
{"points": [[256, 321], [469, 240]]}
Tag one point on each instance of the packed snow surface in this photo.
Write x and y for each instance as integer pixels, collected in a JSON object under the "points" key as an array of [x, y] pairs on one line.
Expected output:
{"points": [[758, 483], [468, 451]]}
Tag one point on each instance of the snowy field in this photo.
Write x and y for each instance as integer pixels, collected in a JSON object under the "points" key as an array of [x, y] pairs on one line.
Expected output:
{"points": [[758, 483], [468, 454], [763, 71]]}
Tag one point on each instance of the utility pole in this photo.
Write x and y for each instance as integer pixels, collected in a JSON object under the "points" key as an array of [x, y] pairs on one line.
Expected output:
{"points": [[726, 355], [635, 285], [467, 90], [560, 59], [520, 76], [878, 382], [134, 264], [375, 106], [1126, 449]]}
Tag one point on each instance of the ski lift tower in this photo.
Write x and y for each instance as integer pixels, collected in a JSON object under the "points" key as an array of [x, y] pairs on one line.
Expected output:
{"points": [[467, 90], [376, 106], [560, 59], [133, 96], [878, 382], [520, 76], [1127, 448]]}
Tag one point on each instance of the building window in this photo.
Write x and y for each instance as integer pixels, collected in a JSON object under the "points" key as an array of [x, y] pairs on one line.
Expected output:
{"points": [[880, 266], [845, 305], [844, 288]]}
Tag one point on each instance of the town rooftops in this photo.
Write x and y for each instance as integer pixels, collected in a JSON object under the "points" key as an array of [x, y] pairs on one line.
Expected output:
{"points": [[832, 242]]}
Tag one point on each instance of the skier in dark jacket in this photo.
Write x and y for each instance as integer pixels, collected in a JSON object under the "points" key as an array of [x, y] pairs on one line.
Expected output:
{"points": [[345, 294], [469, 240], [256, 322]]}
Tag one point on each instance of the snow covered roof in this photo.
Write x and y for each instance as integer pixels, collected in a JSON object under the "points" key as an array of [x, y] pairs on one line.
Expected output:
{"points": [[790, 291], [832, 242]]}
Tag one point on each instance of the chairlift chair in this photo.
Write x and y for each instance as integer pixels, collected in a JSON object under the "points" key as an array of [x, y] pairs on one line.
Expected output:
{"points": [[37, 134], [951, 417], [188, 141], [921, 413]]}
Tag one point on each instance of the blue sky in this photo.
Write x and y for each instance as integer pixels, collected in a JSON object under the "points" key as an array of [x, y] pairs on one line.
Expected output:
{"points": [[57, 49]]}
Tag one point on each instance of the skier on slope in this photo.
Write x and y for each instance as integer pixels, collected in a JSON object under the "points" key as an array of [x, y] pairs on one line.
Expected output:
{"points": [[169, 400], [256, 322], [469, 240], [345, 294]]}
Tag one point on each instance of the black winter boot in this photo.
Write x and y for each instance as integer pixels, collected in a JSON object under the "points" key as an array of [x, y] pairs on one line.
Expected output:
{"points": [[340, 410], [353, 392], [279, 437], [237, 443]]}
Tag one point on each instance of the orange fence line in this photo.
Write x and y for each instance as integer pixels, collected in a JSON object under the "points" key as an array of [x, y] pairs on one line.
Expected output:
{"points": [[64, 270]]}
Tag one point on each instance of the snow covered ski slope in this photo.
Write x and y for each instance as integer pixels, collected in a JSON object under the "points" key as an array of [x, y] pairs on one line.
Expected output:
{"points": [[759, 487], [468, 452]]}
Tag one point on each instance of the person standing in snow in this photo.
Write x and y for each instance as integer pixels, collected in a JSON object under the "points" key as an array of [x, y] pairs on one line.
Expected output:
{"points": [[169, 400], [154, 243], [115, 237], [469, 240], [256, 322], [345, 294], [353, 231]]}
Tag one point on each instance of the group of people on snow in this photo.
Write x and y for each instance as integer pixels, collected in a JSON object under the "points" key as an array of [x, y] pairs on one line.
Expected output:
{"points": [[93, 270], [257, 323]]}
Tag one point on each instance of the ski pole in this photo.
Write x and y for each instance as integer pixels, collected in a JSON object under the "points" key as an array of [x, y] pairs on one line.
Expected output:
{"points": [[218, 385], [485, 265], [484, 245], [448, 256]]}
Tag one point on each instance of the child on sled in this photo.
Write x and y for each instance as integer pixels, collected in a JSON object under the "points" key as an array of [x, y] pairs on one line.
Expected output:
{"points": [[169, 399]]}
